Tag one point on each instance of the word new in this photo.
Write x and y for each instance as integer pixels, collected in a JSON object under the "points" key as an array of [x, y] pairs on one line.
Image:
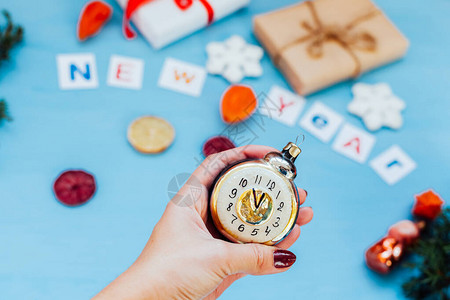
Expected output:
{"points": [[79, 71]]}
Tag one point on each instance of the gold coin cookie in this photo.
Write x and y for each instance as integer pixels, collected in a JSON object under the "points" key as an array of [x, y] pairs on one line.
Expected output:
{"points": [[150, 134]]}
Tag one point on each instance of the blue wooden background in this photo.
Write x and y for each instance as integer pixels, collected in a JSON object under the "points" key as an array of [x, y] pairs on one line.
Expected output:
{"points": [[49, 251]]}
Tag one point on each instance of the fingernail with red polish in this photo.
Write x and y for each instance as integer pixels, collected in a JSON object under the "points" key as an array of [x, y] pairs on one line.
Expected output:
{"points": [[306, 192], [283, 258]]}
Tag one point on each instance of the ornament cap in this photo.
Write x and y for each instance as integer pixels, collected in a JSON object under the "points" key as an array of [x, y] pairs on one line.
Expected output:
{"points": [[284, 161], [291, 151]]}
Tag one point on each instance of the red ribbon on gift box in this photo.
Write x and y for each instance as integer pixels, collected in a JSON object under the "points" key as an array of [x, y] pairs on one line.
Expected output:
{"points": [[134, 5]]}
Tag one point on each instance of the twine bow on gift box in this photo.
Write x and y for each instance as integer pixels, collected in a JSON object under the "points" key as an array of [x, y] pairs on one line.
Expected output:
{"points": [[133, 5], [321, 33]]}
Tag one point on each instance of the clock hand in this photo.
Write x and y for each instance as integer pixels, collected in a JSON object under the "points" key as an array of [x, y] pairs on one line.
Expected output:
{"points": [[260, 200], [255, 199]]}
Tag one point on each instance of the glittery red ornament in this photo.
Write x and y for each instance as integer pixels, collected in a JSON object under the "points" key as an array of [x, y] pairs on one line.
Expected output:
{"points": [[74, 187], [428, 205], [384, 254], [217, 144]]}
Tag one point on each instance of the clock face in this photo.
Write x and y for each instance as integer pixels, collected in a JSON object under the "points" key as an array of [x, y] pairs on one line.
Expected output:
{"points": [[252, 202]]}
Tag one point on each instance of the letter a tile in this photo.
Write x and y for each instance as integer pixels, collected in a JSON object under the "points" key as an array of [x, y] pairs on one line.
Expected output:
{"points": [[354, 143]]}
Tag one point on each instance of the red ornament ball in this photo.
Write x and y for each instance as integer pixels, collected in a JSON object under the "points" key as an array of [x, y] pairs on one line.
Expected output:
{"points": [[384, 254], [74, 187], [217, 144], [404, 231]]}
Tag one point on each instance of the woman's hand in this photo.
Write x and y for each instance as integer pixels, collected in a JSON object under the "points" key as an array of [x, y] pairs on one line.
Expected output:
{"points": [[185, 257]]}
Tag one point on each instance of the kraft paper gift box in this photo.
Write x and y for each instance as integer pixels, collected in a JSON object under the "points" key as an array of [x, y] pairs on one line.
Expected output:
{"points": [[318, 43], [162, 22]]}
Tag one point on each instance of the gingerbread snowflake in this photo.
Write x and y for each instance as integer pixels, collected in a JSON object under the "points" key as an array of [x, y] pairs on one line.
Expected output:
{"points": [[377, 106], [234, 59]]}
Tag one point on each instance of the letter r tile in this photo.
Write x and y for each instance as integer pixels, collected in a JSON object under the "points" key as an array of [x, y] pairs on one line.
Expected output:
{"points": [[393, 164]]}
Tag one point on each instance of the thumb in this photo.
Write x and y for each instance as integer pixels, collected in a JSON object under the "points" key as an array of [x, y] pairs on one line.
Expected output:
{"points": [[258, 259]]}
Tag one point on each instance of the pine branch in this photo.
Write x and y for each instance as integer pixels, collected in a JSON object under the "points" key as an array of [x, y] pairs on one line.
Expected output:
{"points": [[432, 260], [10, 35], [4, 111]]}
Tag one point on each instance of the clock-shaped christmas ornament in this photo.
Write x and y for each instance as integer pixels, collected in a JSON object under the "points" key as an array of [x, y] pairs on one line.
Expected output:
{"points": [[256, 201]]}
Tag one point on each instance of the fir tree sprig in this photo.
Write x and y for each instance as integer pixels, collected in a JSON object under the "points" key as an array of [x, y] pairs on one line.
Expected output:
{"points": [[432, 260], [10, 35], [4, 111]]}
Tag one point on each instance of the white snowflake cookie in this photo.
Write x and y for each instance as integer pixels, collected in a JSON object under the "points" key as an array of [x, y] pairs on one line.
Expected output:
{"points": [[234, 59], [377, 106]]}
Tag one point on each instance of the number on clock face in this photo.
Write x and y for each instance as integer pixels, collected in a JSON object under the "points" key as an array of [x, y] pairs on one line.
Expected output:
{"points": [[254, 204]]}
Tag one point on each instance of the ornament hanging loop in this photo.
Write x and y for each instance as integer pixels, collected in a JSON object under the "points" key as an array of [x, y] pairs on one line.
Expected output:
{"points": [[302, 137]]}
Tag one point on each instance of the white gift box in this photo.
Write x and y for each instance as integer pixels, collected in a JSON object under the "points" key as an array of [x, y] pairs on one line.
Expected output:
{"points": [[162, 22]]}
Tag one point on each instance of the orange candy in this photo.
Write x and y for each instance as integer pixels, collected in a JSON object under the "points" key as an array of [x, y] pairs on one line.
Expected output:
{"points": [[92, 18], [238, 104], [428, 205]]}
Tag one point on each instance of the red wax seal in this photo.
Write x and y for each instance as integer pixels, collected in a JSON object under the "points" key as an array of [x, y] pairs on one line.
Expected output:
{"points": [[217, 144], [74, 187]]}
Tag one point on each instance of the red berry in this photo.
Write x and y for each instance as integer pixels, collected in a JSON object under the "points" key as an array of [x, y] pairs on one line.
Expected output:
{"points": [[217, 144], [74, 187]]}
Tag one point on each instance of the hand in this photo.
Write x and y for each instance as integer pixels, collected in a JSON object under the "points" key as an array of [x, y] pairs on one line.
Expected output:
{"points": [[185, 257]]}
